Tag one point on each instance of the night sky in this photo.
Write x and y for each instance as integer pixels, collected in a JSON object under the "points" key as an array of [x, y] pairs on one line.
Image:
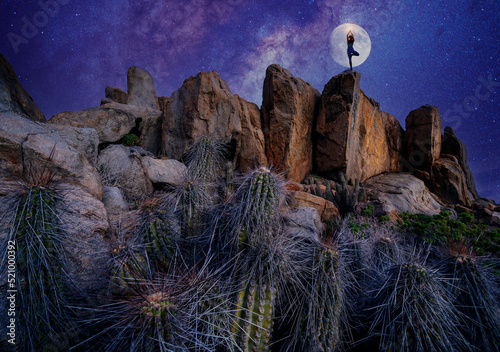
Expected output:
{"points": [[444, 53]]}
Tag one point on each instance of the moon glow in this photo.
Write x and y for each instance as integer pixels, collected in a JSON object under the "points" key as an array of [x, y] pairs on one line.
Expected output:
{"points": [[338, 44]]}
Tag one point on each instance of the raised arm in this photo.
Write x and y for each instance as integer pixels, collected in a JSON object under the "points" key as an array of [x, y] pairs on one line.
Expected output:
{"points": [[350, 36]]}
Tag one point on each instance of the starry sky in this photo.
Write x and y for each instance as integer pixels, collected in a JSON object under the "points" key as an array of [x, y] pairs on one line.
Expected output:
{"points": [[443, 53]]}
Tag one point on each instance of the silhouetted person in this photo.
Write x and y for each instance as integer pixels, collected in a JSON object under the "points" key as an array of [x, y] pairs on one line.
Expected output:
{"points": [[350, 49]]}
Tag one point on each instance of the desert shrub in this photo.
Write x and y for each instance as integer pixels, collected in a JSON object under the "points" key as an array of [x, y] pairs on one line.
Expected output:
{"points": [[131, 139]]}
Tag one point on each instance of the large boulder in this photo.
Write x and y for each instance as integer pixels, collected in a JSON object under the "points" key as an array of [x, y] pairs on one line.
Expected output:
{"points": [[288, 112], [449, 182], [13, 97], [205, 106], [85, 140], [401, 193], [27, 146], [113, 200], [326, 209], [85, 223], [113, 121], [422, 138], [354, 136], [452, 145], [141, 89], [116, 94], [165, 171], [304, 223], [251, 153], [121, 166]]}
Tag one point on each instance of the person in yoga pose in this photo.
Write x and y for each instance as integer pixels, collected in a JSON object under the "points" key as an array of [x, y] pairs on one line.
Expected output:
{"points": [[350, 49]]}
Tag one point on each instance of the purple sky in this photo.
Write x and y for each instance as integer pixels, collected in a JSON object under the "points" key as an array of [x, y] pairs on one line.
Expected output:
{"points": [[444, 53]]}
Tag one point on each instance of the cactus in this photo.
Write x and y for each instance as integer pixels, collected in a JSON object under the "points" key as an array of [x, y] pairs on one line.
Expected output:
{"points": [[414, 312], [329, 193], [475, 296], [229, 177], [41, 280], [322, 304], [159, 229], [204, 160], [256, 220], [176, 310], [346, 197], [254, 315]]}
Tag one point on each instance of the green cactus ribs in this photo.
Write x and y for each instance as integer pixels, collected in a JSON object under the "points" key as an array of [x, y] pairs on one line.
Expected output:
{"points": [[254, 316]]}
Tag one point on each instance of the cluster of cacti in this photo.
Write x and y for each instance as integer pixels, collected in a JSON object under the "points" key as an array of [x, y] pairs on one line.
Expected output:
{"points": [[346, 197], [201, 273]]}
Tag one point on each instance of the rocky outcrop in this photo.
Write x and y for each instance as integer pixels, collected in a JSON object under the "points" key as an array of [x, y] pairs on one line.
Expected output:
{"points": [[113, 121], [449, 182], [141, 89], [204, 105], [452, 145], [171, 172], [354, 136], [326, 209], [27, 145], [116, 95], [13, 97], [288, 115], [251, 152], [422, 137], [121, 166], [391, 193]]}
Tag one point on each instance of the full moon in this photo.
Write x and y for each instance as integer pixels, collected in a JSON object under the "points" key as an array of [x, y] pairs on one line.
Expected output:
{"points": [[338, 44]]}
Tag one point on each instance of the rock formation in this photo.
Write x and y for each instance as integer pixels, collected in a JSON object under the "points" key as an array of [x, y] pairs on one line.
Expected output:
{"points": [[116, 94], [141, 89], [113, 121], [288, 114], [397, 193], [26, 145], [423, 137], [353, 136], [452, 145], [13, 97], [204, 105]]}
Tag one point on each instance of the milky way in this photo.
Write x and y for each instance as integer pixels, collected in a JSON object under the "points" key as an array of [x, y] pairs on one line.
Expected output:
{"points": [[444, 53]]}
